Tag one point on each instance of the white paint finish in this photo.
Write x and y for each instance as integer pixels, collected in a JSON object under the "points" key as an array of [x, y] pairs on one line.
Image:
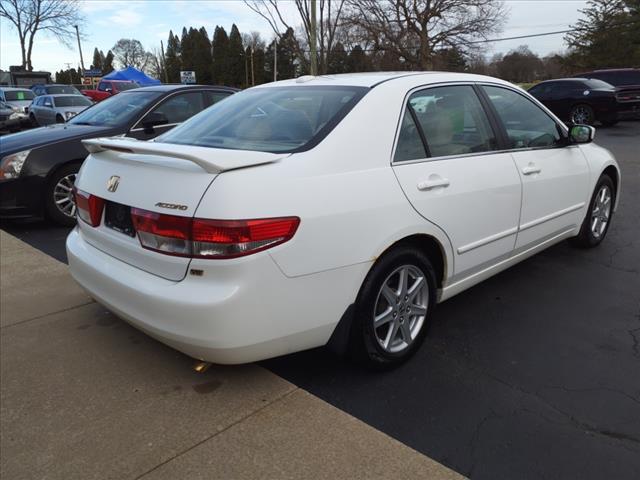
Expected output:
{"points": [[552, 199], [480, 204], [353, 206]]}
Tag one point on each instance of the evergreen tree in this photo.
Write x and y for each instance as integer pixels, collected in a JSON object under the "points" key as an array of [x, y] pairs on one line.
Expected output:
{"points": [[187, 49], [338, 60], [202, 58], [220, 46], [98, 59], [107, 66], [604, 37], [235, 58], [172, 58]]}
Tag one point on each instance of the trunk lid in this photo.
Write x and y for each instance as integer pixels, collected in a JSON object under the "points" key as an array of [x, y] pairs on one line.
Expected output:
{"points": [[163, 178]]}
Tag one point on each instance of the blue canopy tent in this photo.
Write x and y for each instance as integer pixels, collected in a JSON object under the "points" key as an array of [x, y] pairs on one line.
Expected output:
{"points": [[134, 74]]}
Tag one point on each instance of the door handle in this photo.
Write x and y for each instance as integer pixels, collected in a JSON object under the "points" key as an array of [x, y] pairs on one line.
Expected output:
{"points": [[431, 184], [531, 169]]}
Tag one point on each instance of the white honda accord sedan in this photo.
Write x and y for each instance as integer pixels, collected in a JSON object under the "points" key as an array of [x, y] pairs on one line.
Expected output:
{"points": [[331, 210]]}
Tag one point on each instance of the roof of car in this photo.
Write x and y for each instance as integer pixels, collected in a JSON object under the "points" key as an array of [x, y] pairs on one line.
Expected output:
{"points": [[168, 87], [371, 79], [573, 79], [58, 95], [15, 88]]}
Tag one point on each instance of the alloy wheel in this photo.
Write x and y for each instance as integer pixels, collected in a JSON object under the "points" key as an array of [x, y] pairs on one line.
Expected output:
{"points": [[401, 308], [63, 195], [581, 115], [601, 211]]}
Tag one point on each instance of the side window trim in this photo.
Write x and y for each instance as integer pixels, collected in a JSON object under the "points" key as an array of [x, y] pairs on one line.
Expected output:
{"points": [[414, 117], [496, 123]]}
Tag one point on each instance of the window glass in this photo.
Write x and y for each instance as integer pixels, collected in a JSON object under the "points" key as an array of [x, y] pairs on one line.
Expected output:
{"points": [[212, 98], [268, 119], [102, 86], [18, 95], [453, 121], [599, 84], [180, 107], [47, 102], [73, 101], [410, 146], [122, 86], [117, 110], [64, 89], [526, 124]]}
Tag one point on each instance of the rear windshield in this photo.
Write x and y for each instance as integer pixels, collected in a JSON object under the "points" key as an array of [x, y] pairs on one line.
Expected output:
{"points": [[598, 84], [274, 119], [17, 95], [62, 89], [122, 86], [72, 101], [117, 110]]}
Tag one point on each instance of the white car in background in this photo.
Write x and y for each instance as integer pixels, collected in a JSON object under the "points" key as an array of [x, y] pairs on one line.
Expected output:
{"points": [[330, 210]]}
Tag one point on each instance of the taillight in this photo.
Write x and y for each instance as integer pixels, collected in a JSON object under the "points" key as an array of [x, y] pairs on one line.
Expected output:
{"points": [[203, 238], [89, 207]]}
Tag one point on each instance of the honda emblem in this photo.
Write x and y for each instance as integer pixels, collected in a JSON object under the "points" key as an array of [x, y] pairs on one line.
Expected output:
{"points": [[112, 183]]}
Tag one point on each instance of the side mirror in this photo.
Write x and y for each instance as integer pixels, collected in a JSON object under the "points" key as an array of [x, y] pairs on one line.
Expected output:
{"points": [[153, 119], [581, 134], [108, 89]]}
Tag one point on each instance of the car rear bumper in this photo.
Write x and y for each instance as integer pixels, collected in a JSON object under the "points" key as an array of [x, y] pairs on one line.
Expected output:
{"points": [[236, 311]]}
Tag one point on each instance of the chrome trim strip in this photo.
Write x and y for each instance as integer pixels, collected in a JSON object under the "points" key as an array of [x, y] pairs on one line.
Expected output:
{"points": [[551, 216], [485, 241], [141, 129]]}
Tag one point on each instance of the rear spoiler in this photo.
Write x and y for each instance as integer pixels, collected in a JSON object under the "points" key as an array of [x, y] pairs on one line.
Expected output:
{"points": [[211, 160]]}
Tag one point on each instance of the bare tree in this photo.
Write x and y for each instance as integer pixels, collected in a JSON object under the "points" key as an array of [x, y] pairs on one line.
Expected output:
{"points": [[28, 17], [414, 29], [329, 16], [129, 52]]}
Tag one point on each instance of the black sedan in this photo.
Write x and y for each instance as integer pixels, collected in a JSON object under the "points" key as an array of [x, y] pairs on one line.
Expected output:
{"points": [[579, 100], [38, 167]]}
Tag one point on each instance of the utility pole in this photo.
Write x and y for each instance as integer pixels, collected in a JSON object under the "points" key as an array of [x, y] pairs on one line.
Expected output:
{"points": [[314, 43], [80, 50], [164, 63], [275, 59], [253, 80]]}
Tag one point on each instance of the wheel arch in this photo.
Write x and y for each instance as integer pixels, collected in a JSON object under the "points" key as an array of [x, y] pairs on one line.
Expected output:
{"points": [[612, 172]]}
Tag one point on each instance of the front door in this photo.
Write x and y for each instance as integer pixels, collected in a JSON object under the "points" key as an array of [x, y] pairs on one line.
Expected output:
{"points": [[445, 164], [555, 175]]}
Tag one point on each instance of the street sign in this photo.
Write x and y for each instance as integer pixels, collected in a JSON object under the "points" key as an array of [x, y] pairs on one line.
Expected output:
{"points": [[96, 72], [187, 76]]}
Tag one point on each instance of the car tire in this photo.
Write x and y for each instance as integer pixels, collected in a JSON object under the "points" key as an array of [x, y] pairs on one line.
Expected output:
{"points": [[381, 341], [599, 214], [56, 208], [59, 119], [582, 114], [32, 119]]}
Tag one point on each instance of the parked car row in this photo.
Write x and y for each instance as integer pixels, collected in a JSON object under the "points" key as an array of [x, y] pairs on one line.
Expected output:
{"points": [[38, 166], [606, 96]]}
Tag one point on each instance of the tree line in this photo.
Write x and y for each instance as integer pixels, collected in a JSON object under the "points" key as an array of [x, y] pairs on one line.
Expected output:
{"points": [[379, 35]]}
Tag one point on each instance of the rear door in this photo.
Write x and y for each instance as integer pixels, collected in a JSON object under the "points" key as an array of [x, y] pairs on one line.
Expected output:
{"points": [[555, 175], [447, 164]]}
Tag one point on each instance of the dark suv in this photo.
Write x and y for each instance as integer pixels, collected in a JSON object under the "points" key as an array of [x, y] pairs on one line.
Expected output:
{"points": [[627, 84]]}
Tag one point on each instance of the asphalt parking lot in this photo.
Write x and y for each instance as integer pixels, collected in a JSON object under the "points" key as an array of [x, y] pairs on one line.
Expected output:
{"points": [[534, 373]]}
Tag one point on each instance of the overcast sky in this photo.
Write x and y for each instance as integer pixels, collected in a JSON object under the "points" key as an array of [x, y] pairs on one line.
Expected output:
{"points": [[150, 21]]}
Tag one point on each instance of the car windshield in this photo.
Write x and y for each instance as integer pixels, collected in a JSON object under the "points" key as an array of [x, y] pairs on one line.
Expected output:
{"points": [[62, 89], [116, 110], [122, 86], [18, 95], [274, 119], [72, 101]]}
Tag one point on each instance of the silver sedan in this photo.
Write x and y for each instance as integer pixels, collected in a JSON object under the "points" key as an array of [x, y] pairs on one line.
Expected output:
{"points": [[48, 109]]}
